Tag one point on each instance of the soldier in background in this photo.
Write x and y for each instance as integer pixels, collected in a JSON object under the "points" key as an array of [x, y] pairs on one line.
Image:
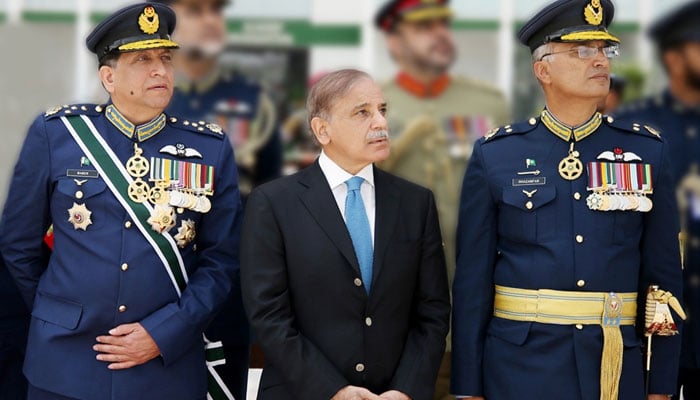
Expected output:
{"points": [[675, 112], [434, 117], [206, 91]]}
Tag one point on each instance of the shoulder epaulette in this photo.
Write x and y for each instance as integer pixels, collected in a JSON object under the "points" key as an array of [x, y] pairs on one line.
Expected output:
{"points": [[509, 130], [476, 84], [628, 125], [202, 127], [73, 109]]}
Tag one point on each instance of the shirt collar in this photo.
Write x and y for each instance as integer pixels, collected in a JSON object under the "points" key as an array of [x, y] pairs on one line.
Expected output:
{"points": [[336, 176], [565, 132], [133, 132], [419, 89]]}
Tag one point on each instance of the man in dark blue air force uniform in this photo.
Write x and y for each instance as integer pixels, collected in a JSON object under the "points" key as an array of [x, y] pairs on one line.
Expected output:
{"points": [[565, 221], [145, 209], [676, 114]]}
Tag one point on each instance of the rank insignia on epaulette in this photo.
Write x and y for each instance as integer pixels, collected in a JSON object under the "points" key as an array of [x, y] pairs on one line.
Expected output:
{"points": [[52, 111], [215, 128], [491, 133], [653, 131]]}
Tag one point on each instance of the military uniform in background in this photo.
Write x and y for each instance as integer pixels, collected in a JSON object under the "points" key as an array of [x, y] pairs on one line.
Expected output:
{"points": [[433, 125], [245, 112], [680, 126], [432, 132]]}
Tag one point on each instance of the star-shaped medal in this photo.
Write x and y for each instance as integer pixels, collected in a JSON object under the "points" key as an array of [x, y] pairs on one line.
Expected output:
{"points": [[162, 218], [79, 216], [185, 233]]}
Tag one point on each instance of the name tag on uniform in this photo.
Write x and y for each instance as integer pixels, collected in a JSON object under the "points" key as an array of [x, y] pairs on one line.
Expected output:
{"points": [[82, 173], [529, 181]]}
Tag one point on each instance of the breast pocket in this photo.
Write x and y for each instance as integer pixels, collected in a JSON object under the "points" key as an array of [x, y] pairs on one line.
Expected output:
{"points": [[90, 193], [527, 214]]}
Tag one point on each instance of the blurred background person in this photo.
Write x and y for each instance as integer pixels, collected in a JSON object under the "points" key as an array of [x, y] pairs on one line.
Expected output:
{"points": [[206, 91], [675, 112], [434, 118], [615, 97]]}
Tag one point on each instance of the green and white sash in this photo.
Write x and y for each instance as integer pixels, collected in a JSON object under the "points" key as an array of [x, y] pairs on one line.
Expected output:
{"points": [[117, 179]]}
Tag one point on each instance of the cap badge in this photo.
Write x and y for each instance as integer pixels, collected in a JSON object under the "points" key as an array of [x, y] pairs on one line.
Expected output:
{"points": [[148, 21], [593, 13]]}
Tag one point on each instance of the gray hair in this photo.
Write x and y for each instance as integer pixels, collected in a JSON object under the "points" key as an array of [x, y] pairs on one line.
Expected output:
{"points": [[540, 52], [332, 86]]}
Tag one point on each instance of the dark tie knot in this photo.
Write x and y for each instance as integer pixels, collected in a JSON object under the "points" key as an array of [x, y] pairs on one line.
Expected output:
{"points": [[354, 183]]}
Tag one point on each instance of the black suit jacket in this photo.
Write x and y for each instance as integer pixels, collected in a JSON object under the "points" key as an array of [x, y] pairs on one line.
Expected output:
{"points": [[319, 330]]}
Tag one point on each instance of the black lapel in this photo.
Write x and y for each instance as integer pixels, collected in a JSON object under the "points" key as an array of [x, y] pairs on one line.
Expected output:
{"points": [[318, 199], [387, 198]]}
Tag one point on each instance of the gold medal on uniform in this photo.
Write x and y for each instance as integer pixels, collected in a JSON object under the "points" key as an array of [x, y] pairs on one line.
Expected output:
{"points": [[185, 233], [158, 194], [162, 218], [137, 166], [571, 168], [79, 216]]}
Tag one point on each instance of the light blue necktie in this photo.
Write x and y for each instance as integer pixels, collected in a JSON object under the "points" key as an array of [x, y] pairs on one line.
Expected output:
{"points": [[358, 226]]}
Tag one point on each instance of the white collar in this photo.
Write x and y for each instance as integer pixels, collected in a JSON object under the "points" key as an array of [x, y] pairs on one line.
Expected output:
{"points": [[336, 176]]}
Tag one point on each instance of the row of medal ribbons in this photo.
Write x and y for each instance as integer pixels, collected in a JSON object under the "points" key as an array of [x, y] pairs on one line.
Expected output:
{"points": [[619, 186], [183, 175]]}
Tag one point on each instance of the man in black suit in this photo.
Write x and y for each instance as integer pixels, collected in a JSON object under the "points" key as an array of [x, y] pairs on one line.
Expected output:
{"points": [[342, 265]]}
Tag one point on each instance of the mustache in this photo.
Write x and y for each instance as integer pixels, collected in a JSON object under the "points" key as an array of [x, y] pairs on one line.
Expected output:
{"points": [[374, 135]]}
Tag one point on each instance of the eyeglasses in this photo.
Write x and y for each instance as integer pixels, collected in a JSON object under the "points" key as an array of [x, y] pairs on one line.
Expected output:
{"points": [[586, 52]]}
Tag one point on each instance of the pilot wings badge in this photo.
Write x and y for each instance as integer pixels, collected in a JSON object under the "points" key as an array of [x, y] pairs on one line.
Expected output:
{"points": [[618, 155], [180, 150]]}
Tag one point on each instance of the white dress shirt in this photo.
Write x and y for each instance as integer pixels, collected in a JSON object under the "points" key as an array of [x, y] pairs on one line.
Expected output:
{"points": [[336, 177]]}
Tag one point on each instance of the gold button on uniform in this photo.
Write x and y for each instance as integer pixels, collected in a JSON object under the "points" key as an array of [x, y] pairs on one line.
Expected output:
{"points": [[359, 367], [579, 326], [127, 224], [125, 266], [78, 195], [358, 282], [529, 205], [577, 196], [122, 308], [579, 238], [368, 321], [581, 283]]}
